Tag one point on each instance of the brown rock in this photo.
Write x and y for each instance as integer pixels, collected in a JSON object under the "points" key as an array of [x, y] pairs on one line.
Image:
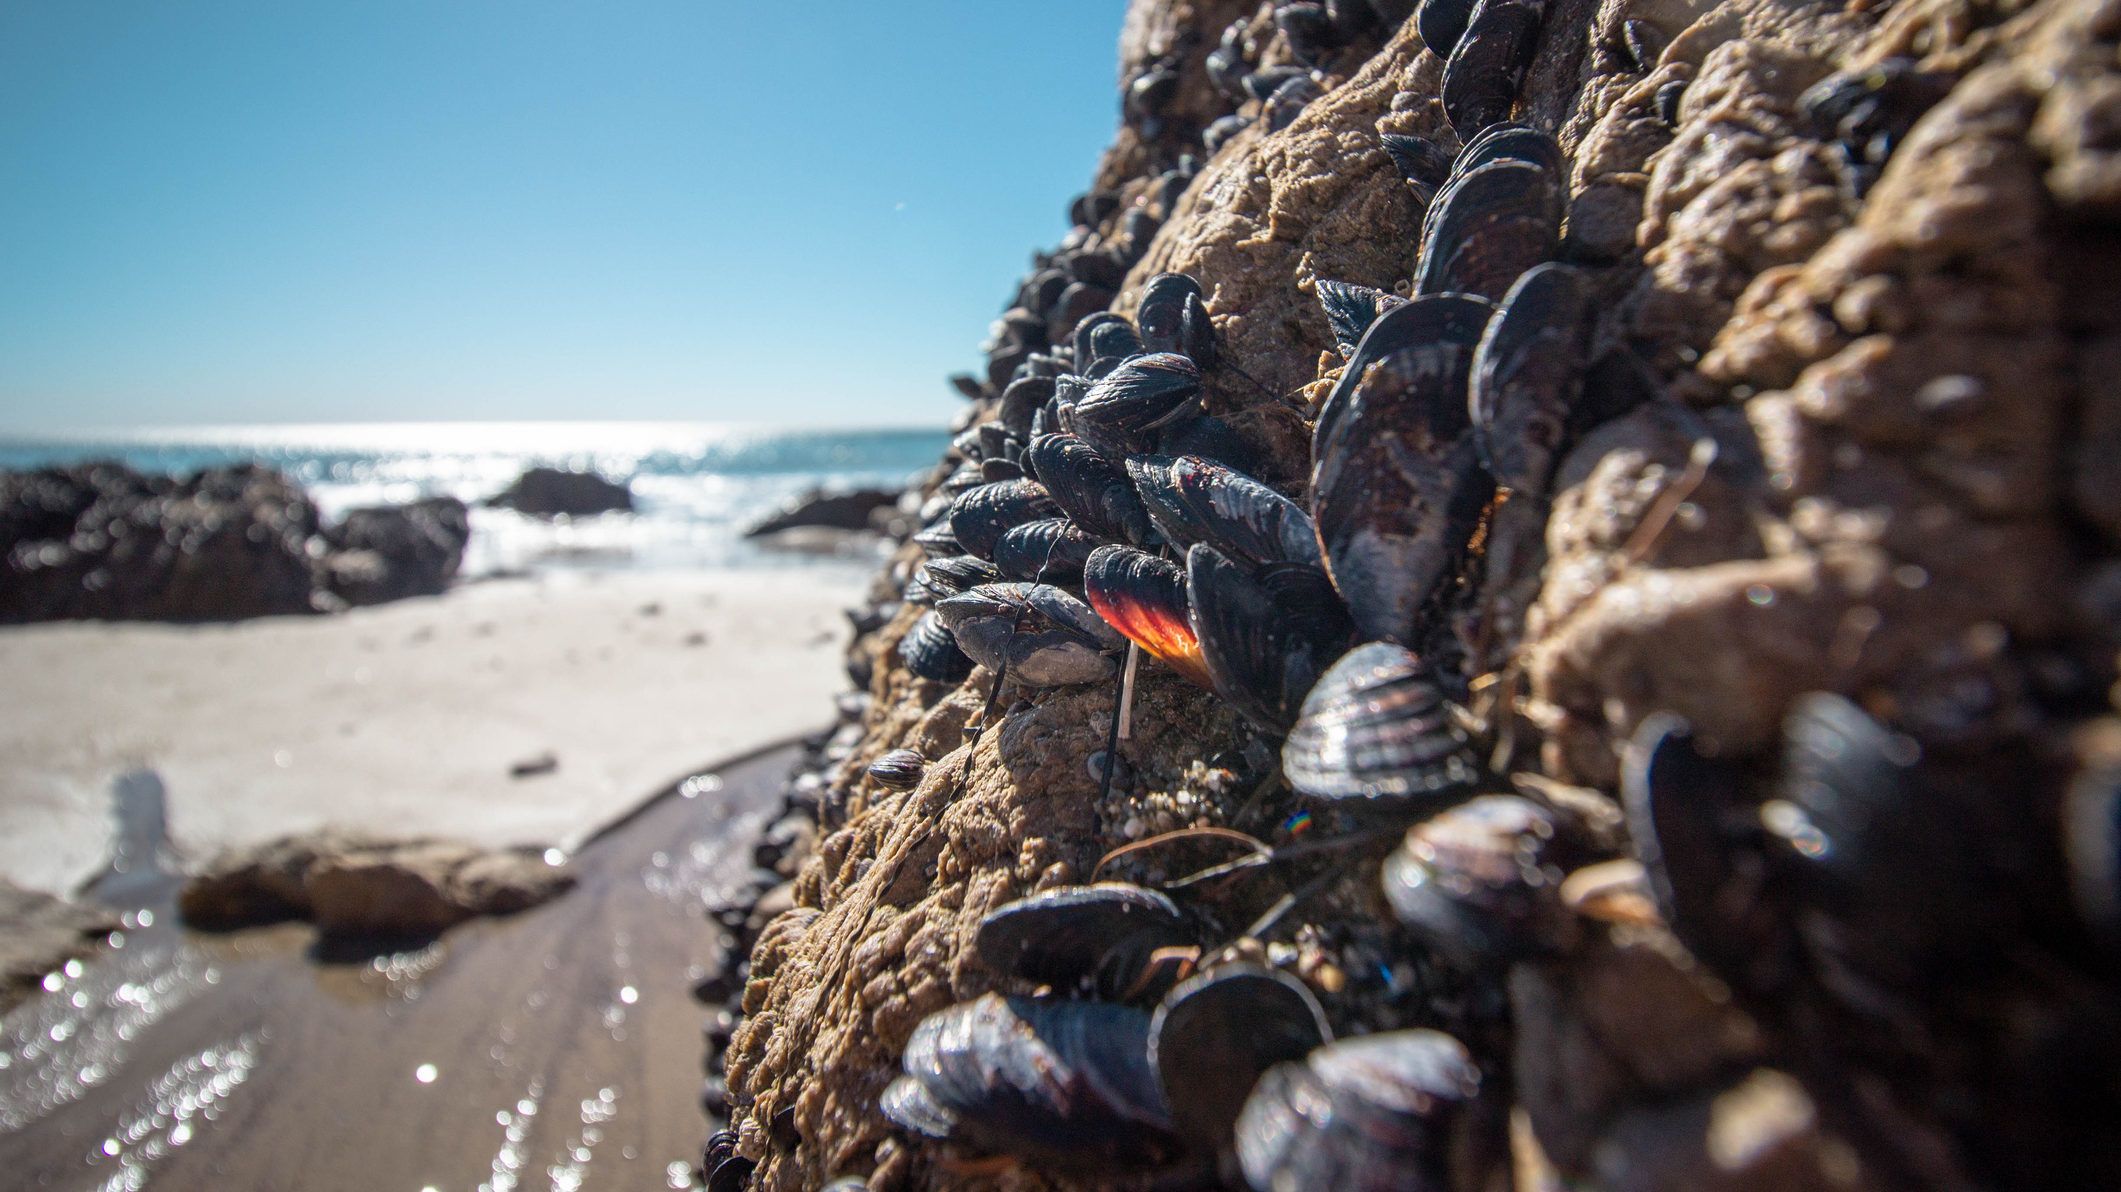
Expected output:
{"points": [[39, 933]]}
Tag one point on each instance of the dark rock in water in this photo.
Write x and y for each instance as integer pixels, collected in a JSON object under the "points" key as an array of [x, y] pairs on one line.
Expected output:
{"points": [[39, 933], [103, 542], [393, 551], [554, 492], [857, 510], [355, 886]]}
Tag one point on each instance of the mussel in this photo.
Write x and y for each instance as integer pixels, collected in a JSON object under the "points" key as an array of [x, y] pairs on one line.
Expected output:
{"points": [[1380, 1113], [1111, 936], [1144, 597], [1482, 881], [1040, 635], [1377, 732], [1214, 1035]]}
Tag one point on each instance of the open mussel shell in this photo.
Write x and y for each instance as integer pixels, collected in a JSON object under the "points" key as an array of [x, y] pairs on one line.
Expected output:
{"points": [[1373, 1114], [1377, 732], [1487, 226], [1511, 141], [1144, 597], [1482, 881], [979, 517], [931, 651], [1095, 492], [1216, 1033], [1141, 395], [1398, 489], [1105, 935], [1434, 318], [899, 770], [1051, 550], [1350, 309], [1527, 373], [1487, 64], [1064, 1085], [1263, 640]]}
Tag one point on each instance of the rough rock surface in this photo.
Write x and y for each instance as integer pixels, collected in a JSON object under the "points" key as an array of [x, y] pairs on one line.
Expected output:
{"points": [[38, 933], [1884, 465], [556, 492], [101, 541], [353, 886]]}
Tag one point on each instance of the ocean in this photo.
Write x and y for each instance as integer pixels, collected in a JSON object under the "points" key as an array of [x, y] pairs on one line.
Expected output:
{"points": [[696, 486]]}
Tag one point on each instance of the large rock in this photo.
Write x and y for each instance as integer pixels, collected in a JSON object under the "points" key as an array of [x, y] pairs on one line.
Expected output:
{"points": [[394, 551], [102, 541], [39, 933], [1883, 464], [555, 492], [358, 886]]}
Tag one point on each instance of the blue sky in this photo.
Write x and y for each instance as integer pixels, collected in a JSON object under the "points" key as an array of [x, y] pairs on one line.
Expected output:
{"points": [[353, 210]]}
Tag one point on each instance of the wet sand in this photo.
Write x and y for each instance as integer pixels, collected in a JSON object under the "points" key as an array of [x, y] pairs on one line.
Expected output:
{"points": [[559, 1049], [406, 719]]}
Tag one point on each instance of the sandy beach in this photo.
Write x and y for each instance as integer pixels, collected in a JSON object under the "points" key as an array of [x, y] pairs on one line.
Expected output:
{"points": [[407, 719]]}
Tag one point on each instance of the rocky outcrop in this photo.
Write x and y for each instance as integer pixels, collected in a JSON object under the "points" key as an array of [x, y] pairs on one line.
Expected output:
{"points": [[390, 552], [39, 933], [557, 492], [1865, 257], [355, 887], [101, 541]]}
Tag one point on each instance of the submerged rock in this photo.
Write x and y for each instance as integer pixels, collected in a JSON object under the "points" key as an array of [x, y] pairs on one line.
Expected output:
{"points": [[357, 886]]}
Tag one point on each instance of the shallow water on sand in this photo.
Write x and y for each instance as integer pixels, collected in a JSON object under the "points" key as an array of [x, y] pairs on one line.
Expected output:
{"points": [[558, 1049]]}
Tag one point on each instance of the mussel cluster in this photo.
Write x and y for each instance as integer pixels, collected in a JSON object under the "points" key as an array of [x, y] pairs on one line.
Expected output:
{"points": [[1102, 510]]}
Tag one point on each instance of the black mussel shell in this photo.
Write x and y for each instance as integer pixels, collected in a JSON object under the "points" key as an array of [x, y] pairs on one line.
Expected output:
{"points": [[1676, 800], [1289, 101], [1487, 65], [968, 386], [1379, 1113], [1051, 550], [1399, 490], [1092, 208], [1511, 141], [1095, 492], [1199, 500], [1079, 301], [1482, 881], [1104, 936], [1105, 337], [980, 516], [1645, 44], [1064, 1085], [1377, 731], [993, 471], [1441, 23], [1039, 635], [1141, 395], [1486, 227], [1211, 438], [1173, 317], [1350, 309], [1263, 644], [1144, 597], [1668, 100], [1527, 374], [1021, 402], [2092, 843], [939, 579], [1150, 93], [899, 770], [1262, 84], [1449, 318], [939, 540], [965, 476], [1215, 1034], [726, 1170], [1393, 13], [931, 651], [1351, 18], [1219, 133], [995, 442], [1419, 161]]}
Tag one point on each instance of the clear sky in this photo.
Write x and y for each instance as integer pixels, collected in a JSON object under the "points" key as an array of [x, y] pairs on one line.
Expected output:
{"points": [[217, 211]]}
